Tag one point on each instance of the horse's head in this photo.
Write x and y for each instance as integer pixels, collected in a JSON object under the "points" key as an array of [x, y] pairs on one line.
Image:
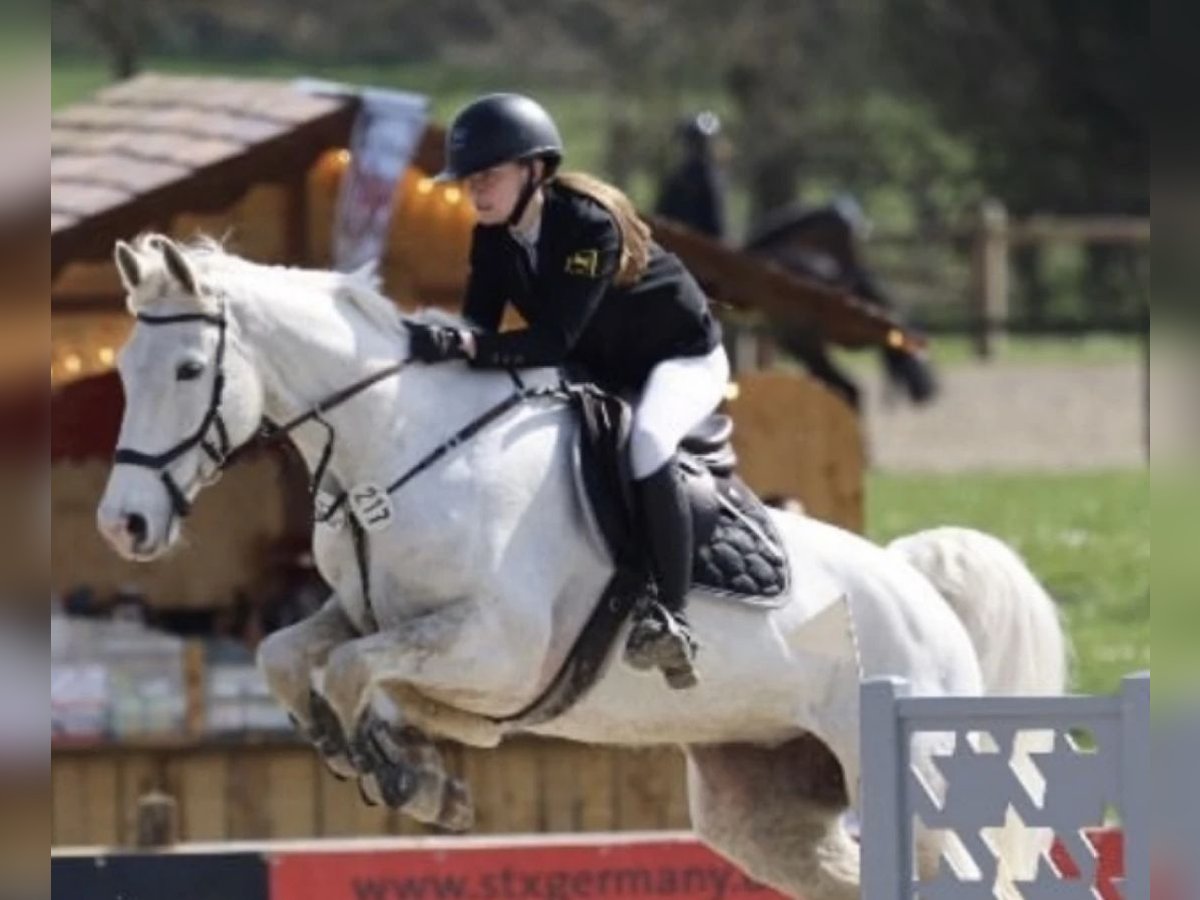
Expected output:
{"points": [[191, 396]]}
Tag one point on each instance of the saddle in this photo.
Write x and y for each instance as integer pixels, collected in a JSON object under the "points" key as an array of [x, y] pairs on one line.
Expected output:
{"points": [[739, 556]]}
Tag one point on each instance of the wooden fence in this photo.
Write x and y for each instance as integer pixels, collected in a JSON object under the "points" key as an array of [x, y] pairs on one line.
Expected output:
{"points": [[280, 789], [969, 268]]}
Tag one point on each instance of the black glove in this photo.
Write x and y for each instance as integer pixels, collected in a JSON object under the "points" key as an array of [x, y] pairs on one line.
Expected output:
{"points": [[435, 343]]}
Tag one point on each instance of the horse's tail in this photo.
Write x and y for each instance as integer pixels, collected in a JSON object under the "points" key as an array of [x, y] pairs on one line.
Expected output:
{"points": [[1018, 637], [1012, 621]]}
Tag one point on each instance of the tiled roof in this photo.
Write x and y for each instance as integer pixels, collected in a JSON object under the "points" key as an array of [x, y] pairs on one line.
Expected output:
{"points": [[158, 144]]}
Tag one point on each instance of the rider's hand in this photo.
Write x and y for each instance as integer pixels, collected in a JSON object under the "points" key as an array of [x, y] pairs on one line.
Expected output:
{"points": [[435, 343]]}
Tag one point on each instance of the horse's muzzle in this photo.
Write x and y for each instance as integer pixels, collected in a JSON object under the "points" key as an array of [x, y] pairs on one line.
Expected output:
{"points": [[132, 534]]}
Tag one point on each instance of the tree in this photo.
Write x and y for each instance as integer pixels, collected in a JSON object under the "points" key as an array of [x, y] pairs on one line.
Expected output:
{"points": [[1051, 93], [119, 26]]}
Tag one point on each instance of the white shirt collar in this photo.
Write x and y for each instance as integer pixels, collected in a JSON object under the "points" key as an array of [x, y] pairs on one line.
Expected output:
{"points": [[528, 239]]}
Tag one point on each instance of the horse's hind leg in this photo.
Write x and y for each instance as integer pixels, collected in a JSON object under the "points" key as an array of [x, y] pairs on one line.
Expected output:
{"points": [[776, 812], [289, 657]]}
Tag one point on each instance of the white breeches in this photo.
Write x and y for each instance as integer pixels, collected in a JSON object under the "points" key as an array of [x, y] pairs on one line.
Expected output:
{"points": [[678, 395]]}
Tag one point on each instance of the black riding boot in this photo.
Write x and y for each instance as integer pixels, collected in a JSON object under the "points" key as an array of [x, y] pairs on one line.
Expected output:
{"points": [[661, 637]]}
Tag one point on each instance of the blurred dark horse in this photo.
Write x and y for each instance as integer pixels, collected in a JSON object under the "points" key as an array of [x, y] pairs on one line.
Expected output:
{"points": [[824, 244]]}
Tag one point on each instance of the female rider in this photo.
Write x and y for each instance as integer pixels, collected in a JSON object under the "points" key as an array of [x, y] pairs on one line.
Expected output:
{"points": [[571, 254]]}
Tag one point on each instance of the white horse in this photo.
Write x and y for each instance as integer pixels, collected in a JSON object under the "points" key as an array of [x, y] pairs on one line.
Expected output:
{"points": [[484, 572]]}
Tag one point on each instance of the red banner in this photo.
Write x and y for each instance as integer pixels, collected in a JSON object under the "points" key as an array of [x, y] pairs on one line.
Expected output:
{"points": [[578, 867], [669, 869]]}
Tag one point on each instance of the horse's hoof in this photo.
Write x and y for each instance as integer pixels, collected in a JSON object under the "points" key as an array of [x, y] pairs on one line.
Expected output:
{"points": [[368, 790], [458, 809], [397, 785], [680, 679], [340, 767]]}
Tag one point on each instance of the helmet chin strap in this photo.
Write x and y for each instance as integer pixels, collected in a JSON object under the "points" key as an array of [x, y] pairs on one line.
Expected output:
{"points": [[530, 187]]}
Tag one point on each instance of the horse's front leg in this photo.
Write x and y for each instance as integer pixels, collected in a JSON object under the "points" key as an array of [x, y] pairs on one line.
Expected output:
{"points": [[441, 649], [404, 769], [289, 657], [450, 649]]}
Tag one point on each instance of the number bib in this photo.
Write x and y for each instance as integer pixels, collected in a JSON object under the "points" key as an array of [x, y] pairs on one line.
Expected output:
{"points": [[372, 506]]}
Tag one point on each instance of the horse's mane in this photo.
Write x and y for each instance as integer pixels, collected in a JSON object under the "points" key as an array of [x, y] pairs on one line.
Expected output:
{"points": [[360, 289]]}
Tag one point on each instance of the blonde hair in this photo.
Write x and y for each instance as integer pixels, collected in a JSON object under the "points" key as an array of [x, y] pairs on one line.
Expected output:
{"points": [[635, 233]]}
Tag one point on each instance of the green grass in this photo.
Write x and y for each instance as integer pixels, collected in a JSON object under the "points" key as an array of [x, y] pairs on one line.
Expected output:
{"points": [[1086, 536], [75, 81], [1175, 494]]}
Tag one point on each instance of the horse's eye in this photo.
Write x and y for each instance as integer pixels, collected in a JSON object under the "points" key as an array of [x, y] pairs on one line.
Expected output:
{"points": [[189, 371]]}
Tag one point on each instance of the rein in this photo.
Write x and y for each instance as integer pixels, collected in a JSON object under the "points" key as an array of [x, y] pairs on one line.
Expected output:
{"points": [[459, 437]]}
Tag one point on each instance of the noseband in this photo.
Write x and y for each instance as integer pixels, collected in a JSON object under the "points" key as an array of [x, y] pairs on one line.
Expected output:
{"points": [[220, 451]]}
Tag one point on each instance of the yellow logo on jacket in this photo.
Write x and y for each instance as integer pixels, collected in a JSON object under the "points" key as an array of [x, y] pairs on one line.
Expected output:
{"points": [[583, 262]]}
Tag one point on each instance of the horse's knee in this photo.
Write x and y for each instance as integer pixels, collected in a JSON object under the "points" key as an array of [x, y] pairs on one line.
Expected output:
{"points": [[284, 666], [343, 664]]}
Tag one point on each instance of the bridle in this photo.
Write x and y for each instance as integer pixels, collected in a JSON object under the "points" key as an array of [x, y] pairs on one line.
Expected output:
{"points": [[217, 445], [217, 451]]}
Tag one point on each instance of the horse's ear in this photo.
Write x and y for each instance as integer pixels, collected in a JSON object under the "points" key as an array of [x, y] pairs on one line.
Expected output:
{"points": [[177, 265], [129, 266]]}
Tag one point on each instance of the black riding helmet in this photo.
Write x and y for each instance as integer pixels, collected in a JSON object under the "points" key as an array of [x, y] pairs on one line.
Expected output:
{"points": [[499, 128]]}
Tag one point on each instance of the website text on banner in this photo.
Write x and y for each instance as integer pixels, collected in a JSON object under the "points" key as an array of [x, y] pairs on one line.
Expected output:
{"points": [[681, 869]]}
